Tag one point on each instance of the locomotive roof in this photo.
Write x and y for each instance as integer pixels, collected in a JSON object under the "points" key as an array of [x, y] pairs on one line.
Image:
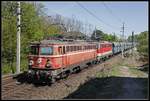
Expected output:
{"points": [[61, 42], [71, 42]]}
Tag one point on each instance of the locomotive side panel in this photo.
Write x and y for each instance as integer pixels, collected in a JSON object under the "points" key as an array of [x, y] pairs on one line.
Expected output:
{"points": [[63, 61], [75, 58], [105, 49]]}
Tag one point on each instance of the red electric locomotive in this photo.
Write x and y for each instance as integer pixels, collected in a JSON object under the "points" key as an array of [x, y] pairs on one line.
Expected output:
{"points": [[104, 50], [51, 59]]}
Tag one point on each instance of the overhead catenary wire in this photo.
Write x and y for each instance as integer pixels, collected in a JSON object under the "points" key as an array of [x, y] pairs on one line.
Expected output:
{"points": [[113, 14], [92, 14], [110, 11], [73, 5]]}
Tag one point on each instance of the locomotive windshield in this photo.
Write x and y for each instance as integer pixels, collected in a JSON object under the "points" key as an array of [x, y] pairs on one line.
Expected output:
{"points": [[34, 50], [46, 51]]}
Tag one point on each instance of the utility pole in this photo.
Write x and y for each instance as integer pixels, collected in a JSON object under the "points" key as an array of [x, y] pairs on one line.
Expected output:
{"points": [[114, 37], [123, 31], [132, 38], [18, 38], [89, 29], [85, 30], [122, 38], [132, 42], [95, 32]]}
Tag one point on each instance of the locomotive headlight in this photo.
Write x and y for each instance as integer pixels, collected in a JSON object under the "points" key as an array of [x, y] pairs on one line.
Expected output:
{"points": [[31, 62], [29, 71], [39, 60], [48, 63], [54, 72]]}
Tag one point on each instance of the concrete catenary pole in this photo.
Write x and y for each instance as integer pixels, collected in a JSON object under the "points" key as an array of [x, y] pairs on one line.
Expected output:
{"points": [[95, 33], [114, 37], [18, 38], [132, 43], [132, 38], [122, 39]]}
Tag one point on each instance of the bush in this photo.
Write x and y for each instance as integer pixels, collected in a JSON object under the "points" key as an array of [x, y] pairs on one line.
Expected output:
{"points": [[142, 47]]}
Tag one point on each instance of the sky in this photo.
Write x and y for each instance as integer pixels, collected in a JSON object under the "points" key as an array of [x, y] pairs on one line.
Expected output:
{"points": [[111, 15]]}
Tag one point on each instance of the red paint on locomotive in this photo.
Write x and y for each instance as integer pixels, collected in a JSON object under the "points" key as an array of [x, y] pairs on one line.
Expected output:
{"points": [[104, 48], [63, 55]]}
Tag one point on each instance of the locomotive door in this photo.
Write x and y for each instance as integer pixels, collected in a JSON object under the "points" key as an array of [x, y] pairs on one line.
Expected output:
{"points": [[64, 57], [60, 53]]}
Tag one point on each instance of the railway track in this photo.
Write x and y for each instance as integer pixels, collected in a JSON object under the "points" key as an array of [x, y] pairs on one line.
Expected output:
{"points": [[10, 86], [10, 90], [7, 79], [17, 91]]}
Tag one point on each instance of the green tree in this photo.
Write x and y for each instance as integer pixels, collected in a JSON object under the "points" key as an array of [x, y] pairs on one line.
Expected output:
{"points": [[143, 43], [34, 27], [101, 36], [31, 30], [135, 38], [98, 36], [8, 32]]}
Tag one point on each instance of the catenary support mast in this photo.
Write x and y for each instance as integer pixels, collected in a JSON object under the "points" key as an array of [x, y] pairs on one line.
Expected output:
{"points": [[18, 38]]}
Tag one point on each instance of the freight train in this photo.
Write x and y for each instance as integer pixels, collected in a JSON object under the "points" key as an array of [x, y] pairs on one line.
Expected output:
{"points": [[53, 59]]}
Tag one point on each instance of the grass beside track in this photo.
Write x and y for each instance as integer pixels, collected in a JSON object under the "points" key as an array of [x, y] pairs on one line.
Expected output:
{"points": [[6, 68]]}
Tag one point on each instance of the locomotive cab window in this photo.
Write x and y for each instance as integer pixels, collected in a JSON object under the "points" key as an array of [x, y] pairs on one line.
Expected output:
{"points": [[34, 50], [46, 51], [64, 50], [60, 50]]}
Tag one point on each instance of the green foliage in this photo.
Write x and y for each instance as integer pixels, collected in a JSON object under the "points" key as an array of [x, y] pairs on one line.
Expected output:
{"points": [[142, 40], [8, 30], [135, 38], [55, 36], [50, 30], [101, 36], [33, 28], [143, 43], [97, 35]]}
